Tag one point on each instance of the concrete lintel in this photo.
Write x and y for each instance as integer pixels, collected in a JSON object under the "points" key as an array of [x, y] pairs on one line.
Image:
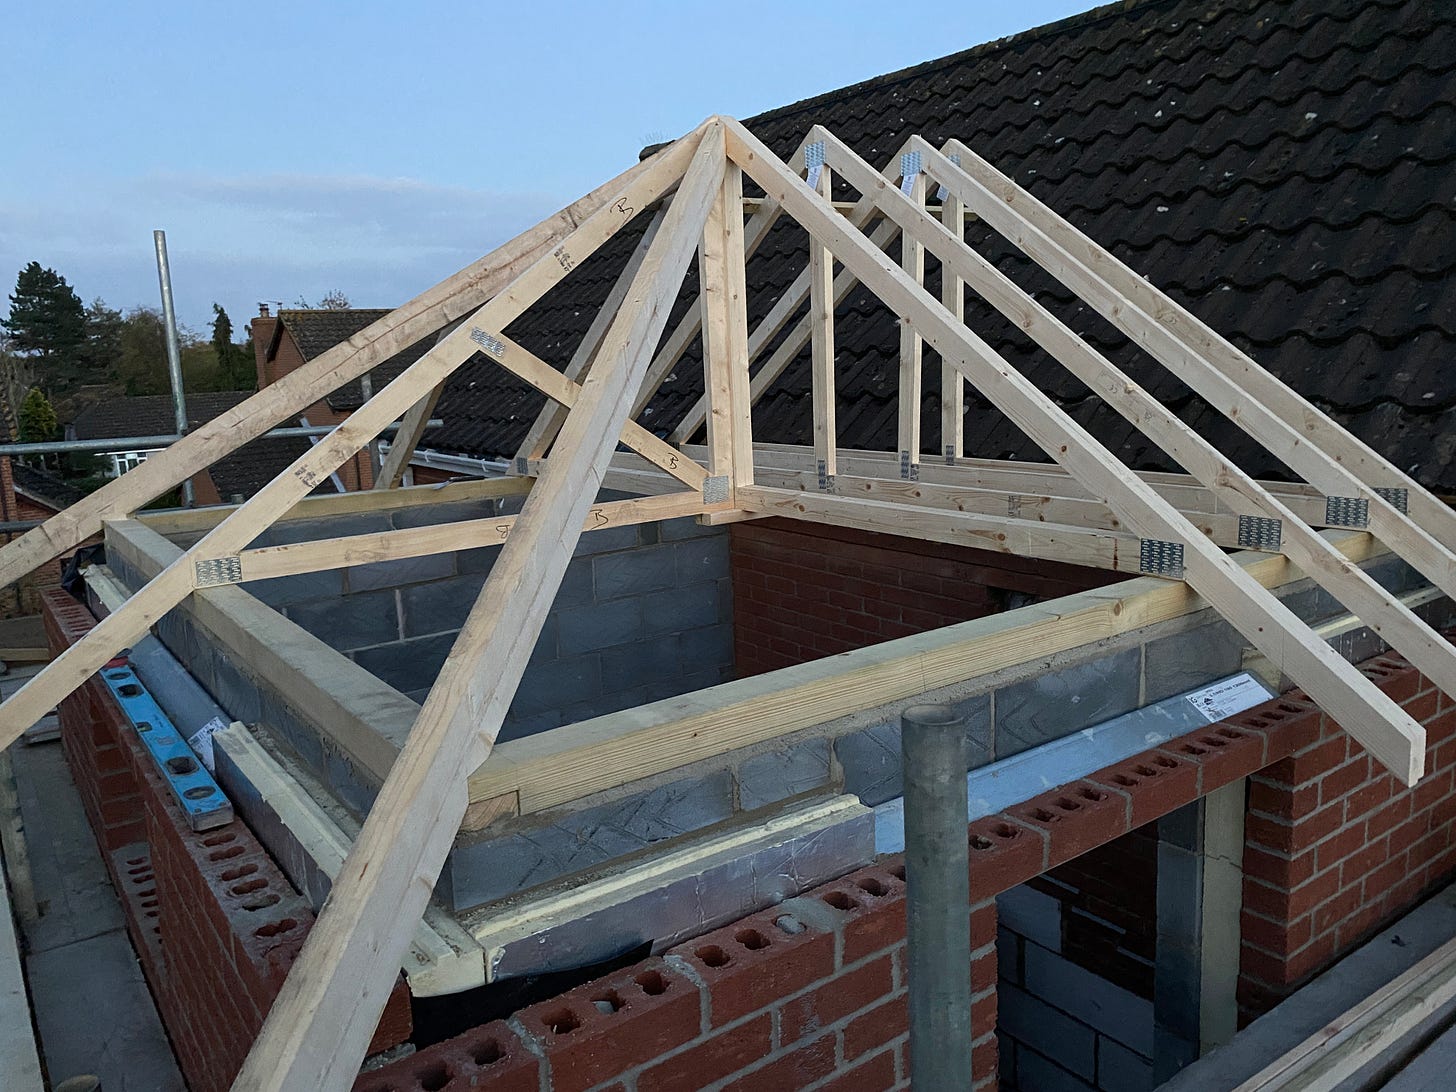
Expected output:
{"points": [[671, 896]]}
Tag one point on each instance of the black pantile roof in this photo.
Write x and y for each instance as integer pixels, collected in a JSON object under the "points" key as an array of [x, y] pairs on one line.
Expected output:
{"points": [[44, 487], [243, 472], [149, 414], [1287, 170], [317, 331]]}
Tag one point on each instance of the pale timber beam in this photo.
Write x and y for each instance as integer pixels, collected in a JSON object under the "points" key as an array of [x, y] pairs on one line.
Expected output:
{"points": [[411, 428], [821, 340], [548, 422], [546, 379], [1181, 490], [952, 383], [316, 1033], [173, 584], [1101, 549], [1377, 722], [553, 768], [267, 562], [1289, 426], [912, 261], [723, 299], [1378, 608], [185, 520], [291, 395]]}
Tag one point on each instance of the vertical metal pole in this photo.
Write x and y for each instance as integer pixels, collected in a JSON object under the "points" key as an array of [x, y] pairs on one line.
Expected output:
{"points": [[174, 350], [937, 876]]}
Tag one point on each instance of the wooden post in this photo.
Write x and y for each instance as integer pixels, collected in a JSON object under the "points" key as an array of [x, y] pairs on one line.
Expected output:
{"points": [[725, 336], [912, 261], [821, 331], [952, 383]]}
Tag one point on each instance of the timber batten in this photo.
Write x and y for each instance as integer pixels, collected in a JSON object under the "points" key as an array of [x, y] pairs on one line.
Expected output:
{"points": [[1093, 510]]}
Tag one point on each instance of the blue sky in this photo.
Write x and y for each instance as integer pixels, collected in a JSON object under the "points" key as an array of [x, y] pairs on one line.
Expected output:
{"points": [[290, 149]]}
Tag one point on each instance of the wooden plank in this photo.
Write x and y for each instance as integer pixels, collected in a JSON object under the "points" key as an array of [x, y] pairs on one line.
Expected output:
{"points": [[952, 383], [1110, 550], [548, 422], [1379, 608], [174, 583], [1367, 713], [1289, 426], [821, 338], [28, 654], [1346, 1043], [1021, 507], [187, 520], [295, 392], [268, 562], [13, 850], [1049, 480], [724, 303], [576, 760], [317, 1030], [912, 261]]}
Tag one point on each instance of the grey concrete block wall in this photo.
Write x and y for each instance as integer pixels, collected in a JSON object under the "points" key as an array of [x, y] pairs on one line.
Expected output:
{"points": [[643, 613], [1061, 1025]]}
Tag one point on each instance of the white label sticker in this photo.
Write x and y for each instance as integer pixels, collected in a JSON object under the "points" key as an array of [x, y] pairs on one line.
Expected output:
{"points": [[1224, 699], [201, 741]]}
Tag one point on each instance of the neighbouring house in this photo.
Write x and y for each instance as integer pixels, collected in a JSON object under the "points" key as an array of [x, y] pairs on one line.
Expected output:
{"points": [[230, 480], [1283, 170], [30, 493], [294, 336]]}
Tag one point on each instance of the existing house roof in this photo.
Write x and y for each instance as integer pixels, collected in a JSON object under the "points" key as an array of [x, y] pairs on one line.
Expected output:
{"points": [[314, 332], [43, 487], [149, 414], [1282, 168], [243, 472]]}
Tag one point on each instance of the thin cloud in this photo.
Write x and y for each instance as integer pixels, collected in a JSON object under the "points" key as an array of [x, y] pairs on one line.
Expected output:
{"points": [[241, 239]]}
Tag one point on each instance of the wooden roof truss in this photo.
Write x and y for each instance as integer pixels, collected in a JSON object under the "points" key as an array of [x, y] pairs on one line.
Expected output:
{"points": [[1088, 508]]}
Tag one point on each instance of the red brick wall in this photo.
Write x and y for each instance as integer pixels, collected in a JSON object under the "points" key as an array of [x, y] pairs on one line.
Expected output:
{"points": [[23, 597], [1336, 848], [802, 591], [215, 923], [793, 996], [775, 1001]]}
